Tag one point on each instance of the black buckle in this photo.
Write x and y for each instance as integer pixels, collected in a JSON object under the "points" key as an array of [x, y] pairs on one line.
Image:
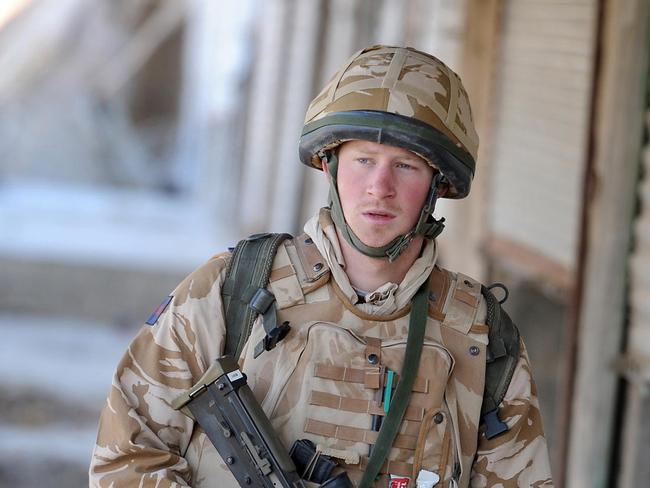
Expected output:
{"points": [[272, 337], [311, 466], [494, 426], [262, 300]]}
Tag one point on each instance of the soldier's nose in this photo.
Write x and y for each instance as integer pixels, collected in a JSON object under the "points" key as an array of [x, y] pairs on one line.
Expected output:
{"points": [[381, 183]]}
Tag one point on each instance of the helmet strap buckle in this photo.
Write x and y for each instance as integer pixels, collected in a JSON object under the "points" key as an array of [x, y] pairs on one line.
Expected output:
{"points": [[427, 225], [394, 251]]}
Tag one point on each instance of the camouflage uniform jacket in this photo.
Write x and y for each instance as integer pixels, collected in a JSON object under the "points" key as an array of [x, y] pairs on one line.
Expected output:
{"points": [[318, 384]]}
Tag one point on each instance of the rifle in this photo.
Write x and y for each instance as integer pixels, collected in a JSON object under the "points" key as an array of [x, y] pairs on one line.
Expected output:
{"points": [[224, 405]]}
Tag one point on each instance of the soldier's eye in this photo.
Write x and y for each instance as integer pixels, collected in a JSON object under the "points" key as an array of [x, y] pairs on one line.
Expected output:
{"points": [[404, 166]]}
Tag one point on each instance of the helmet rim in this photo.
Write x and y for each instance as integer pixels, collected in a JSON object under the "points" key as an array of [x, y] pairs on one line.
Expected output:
{"points": [[330, 131]]}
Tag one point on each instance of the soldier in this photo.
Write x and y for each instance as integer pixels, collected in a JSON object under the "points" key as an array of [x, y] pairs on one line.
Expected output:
{"points": [[392, 132]]}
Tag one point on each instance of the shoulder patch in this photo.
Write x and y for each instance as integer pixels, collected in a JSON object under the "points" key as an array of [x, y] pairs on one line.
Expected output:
{"points": [[153, 318]]}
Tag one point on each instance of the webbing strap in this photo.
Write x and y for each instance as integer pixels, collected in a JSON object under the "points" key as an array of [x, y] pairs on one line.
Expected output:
{"points": [[392, 421], [247, 273]]}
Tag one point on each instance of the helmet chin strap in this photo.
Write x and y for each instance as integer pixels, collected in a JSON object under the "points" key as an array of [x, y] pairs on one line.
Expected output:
{"points": [[426, 226]]}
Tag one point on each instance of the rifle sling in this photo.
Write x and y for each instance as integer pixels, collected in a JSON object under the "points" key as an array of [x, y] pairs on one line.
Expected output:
{"points": [[392, 421]]}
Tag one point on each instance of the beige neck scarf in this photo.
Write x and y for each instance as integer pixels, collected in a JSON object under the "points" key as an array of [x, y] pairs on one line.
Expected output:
{"points": [[389, 297]]}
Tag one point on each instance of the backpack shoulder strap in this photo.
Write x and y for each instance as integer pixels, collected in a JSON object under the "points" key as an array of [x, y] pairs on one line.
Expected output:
{"points": [[245, 295], [503, 353]]}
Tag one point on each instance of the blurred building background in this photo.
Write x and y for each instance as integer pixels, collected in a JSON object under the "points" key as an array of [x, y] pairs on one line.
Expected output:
{"points": [[139, 137]]}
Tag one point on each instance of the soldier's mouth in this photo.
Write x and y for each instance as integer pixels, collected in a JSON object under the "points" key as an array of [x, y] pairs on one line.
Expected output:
{"points": [[376, 216]]}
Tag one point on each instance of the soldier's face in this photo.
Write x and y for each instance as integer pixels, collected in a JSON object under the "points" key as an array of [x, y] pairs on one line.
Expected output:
{"points": [[382, 189]]}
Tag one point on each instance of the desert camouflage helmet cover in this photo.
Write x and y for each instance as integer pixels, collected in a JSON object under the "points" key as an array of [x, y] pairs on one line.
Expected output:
{"points": [[397, 96]]}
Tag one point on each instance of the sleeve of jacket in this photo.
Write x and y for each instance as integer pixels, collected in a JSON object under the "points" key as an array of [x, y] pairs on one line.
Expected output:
{"points": [[141, 439], [518, 457]]}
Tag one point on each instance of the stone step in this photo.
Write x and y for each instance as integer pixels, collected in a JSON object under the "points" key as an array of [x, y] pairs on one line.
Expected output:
{"points": [[94, 292], [55, 374], [98, 253]]}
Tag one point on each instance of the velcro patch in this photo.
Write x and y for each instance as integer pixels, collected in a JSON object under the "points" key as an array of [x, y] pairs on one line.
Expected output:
{"points": [[153, 318]]}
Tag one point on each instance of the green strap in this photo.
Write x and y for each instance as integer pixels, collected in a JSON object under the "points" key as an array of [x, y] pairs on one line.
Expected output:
{"points": [[392, 421], [248, 271]]}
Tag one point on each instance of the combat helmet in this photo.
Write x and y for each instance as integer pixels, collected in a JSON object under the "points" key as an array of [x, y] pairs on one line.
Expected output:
{"points": [[401, 97]]}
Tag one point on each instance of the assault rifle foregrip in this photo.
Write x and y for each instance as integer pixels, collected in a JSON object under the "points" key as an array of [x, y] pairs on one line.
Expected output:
{"points": [[224, 405]]}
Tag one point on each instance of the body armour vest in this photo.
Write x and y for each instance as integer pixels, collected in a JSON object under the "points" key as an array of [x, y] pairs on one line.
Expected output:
{"points": [[328, 378]]}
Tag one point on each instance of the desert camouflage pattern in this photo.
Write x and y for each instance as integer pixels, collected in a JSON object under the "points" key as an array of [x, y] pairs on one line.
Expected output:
{"points": [[402, 81], [318, 384]]}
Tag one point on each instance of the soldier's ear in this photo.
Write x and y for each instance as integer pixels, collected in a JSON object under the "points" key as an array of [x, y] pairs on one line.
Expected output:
{"points": [[442, 187], [329, 163], [326, 170]]}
